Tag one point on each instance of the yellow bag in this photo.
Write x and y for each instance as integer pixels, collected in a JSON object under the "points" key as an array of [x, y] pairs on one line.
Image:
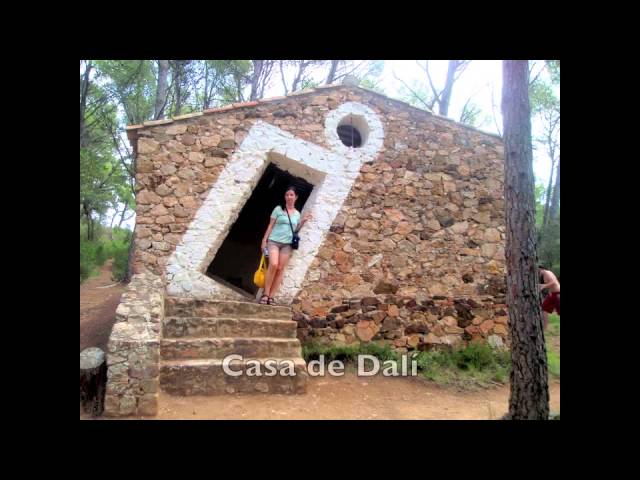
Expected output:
{"points": [[258, 277]]}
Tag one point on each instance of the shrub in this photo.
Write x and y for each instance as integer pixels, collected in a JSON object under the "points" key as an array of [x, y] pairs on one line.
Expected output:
{"points": [[93, 254]]}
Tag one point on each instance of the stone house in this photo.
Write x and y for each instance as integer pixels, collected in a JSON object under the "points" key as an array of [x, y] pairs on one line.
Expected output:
{"points": [[406, 245]]}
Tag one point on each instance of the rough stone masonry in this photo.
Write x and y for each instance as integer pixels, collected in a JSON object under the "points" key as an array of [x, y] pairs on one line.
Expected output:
{"points": [[415, 255]]}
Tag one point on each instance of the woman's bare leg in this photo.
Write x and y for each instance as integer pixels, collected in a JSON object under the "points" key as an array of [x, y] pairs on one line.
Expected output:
{"points": [[271, 271], [282, 263]]}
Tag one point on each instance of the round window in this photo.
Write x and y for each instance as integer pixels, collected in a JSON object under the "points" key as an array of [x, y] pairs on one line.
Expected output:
{"points": [[350, 136], [353, 131]]}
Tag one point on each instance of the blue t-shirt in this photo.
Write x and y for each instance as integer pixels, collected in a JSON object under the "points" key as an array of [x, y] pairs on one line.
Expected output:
{"points": [[281, 231]]}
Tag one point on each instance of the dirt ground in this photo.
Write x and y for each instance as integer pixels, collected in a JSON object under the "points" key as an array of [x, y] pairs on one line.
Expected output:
{"points": [[99, 298], [351, 398], [347, 397]]}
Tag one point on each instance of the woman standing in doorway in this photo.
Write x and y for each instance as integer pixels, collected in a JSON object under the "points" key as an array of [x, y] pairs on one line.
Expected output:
{"points": [[277, 240]]}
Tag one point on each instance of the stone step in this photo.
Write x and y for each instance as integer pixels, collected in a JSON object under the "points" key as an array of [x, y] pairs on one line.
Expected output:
{"points": [[207, 377], [190, 307], [194, 347], [177, 327]]}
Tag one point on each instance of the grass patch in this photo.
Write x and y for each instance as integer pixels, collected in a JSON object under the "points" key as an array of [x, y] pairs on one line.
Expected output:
{"points": [[472, 367], [553, 340], [553, 329], [348, 353], [553, 363]]}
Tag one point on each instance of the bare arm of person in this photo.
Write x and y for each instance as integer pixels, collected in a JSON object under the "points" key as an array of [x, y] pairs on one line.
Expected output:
{"points": [[550, 280], [272, 222], [306, 217]]}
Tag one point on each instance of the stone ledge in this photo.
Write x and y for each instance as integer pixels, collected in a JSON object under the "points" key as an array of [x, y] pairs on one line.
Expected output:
{"points": [[317, 90], [151, 123], [187, 115]]}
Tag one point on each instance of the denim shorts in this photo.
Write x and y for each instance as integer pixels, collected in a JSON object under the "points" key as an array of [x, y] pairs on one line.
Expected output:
{"points": [[282, 247]]}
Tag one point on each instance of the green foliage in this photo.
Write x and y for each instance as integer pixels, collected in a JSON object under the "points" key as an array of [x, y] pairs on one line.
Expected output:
{"points": [[232, 76], [416, 94], [348, 353], [372, 85], [553, 363], [132, 83], [553, 329], [549, 246], [475, 365], [309, 83], [120, 252], [93, 254], [87, 258], [553, 67], [471, 115]]}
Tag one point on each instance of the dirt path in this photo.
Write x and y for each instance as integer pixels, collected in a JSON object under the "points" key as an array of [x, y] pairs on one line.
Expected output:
{"points": [[99, 299], [351, 397]]}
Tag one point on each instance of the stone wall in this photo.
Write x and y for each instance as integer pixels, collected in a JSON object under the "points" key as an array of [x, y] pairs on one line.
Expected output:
{"points": [[421, 231], [133, 352]]}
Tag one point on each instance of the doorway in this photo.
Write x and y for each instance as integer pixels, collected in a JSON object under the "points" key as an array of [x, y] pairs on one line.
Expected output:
{"points": [[238, 257]]}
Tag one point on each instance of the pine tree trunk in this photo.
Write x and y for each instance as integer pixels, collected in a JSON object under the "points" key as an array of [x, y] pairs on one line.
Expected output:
{"points": [[448, 88], [547, 200], [124, 210], [161, 92], [84, 91], [529, 398], [255, 79], [555, 197], [332, 72]]}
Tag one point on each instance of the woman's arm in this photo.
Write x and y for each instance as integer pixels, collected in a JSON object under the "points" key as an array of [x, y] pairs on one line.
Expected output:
{"points": [[267, 233], [303, 220]]}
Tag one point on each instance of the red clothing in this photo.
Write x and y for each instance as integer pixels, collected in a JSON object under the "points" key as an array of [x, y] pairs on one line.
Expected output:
{"points": [[551, 303]]}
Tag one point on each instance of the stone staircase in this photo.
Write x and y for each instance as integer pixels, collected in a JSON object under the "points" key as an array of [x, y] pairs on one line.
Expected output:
{"points": [[198, 334]]}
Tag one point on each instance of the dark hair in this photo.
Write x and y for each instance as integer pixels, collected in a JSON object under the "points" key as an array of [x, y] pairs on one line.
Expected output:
{"points": [[290, 187], [542, 267]]}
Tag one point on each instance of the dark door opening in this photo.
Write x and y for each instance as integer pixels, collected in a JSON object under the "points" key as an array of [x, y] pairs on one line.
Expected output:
{"points": [[239, 255]]}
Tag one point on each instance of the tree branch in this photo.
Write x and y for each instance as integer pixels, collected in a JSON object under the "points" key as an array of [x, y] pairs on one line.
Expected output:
{"points": [[436, 94], [412, 91], [284, 81]]}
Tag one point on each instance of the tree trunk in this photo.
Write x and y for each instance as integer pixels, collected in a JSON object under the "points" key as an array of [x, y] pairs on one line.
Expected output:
{"points": [[332, 71], [302, 65], [445, 99], [555, 197], [529, 397], [205, 97], [161, 91], [87, 215], [93, 380], [547, 202], [84, 90], [178, 74], [255, 79], [126, 205], [178, 105], [284, 80]]}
